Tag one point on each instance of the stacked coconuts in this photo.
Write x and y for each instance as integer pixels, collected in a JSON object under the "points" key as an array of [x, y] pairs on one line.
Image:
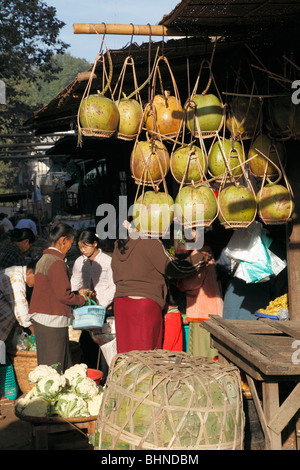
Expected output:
{"points": [[213, 169]]}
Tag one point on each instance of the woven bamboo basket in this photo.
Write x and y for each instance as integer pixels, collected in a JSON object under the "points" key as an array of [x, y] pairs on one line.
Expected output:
{"points": [[162, 400], [25, 361]]}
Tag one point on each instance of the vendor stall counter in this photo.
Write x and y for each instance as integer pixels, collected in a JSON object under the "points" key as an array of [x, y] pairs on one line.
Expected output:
{"points": [[268, 352], [78, 222]]}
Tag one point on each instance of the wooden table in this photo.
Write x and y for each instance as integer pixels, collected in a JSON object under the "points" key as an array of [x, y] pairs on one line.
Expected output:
{"points": [[42, 427], [267, 351]]}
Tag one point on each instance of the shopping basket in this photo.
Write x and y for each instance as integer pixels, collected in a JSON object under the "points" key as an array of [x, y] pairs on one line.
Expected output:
{"points": [[88, 317], [8, 384]]}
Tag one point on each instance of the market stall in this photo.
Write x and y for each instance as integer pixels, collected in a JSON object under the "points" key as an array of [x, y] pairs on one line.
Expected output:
{"points": [[267, 351], [224, 149]]}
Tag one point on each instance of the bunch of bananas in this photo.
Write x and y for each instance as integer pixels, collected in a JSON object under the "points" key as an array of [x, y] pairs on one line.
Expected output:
{"points": [[275, 305]]}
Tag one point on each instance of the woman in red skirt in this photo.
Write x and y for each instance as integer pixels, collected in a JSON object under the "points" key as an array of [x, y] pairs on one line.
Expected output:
{"points": [[140, 266]]}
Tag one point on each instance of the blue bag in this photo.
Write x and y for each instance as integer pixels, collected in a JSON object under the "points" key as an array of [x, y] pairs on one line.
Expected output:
{"points": [[88, 317]]}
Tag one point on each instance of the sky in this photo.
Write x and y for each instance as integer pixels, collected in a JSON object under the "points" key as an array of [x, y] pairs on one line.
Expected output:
{"points": [[87, 46]]}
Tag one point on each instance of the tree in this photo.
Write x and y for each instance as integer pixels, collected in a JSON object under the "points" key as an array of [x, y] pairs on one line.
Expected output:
{"points": [[70, 67], [29, 34]]}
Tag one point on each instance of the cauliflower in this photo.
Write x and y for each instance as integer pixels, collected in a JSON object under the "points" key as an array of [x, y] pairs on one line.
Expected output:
{"points": [[69, 405], [23, 401], [36, 406], [94, 404], [40, 372], [85, 388], [78, 370], [50, 387]]}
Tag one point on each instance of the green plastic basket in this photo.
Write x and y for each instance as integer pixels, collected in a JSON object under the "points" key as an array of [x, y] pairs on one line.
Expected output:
{"points": [[8, 384]]}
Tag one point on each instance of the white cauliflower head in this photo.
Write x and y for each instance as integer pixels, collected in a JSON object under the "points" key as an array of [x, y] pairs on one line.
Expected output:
{"points": [[49, 387], [85, 387], [69, 405], [40, 372], [94, 404], [37, 407], [78, 370]]}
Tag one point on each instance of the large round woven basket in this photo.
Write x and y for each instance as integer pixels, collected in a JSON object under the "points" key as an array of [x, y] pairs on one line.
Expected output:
{"points": [[25, 361], [162, 400]]}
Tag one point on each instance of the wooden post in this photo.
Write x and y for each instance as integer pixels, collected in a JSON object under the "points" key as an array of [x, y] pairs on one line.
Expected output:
{"points": [[125, 29], [293, 243]]}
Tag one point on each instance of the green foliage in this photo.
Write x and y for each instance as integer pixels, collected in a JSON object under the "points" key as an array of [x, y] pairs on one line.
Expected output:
{"points": [[8, 173], [32, 65], [69, 67], [29, 34]]}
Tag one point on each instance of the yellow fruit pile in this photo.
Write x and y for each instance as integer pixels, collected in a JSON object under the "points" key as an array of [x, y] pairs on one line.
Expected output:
{"points": [[275, 305]]}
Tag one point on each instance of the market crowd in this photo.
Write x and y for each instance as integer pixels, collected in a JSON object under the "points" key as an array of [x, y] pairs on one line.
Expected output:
{"points": [[153, 296]]}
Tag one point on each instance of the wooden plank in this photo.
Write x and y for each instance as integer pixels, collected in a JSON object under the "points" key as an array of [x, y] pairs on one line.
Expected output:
{"points": [[293, 240], [283, 327], [270, 392], [251, 340], [247, 358], [287, 411], [241, 353], [259, 411]]}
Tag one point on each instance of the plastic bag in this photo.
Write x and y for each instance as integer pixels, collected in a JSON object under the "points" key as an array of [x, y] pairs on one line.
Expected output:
{"points": [[109, 350], [250, 247], [19, 340]]}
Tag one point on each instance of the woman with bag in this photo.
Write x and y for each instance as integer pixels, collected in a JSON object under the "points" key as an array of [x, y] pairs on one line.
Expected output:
{"points": [[51, 300]]}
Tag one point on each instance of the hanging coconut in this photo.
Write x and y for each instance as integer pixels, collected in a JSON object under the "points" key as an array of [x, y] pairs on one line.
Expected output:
{"points": [[225, 154], [161, 400], [131, 115], [99, 112], [196, 206], [130, 107], [149, 161], [153, 213], [275, 204], [237, 206], [188, 164], [164, 115], [204, 112], [244, 117], [265, 156], [98, 115]]}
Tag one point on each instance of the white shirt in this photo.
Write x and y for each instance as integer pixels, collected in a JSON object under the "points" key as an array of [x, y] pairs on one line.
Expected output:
{"points": [[27, 223], [13, 302], [6, 224], [96, 275]]}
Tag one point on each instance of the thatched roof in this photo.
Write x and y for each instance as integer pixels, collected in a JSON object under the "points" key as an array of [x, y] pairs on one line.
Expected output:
{"points": [[269, 27]]}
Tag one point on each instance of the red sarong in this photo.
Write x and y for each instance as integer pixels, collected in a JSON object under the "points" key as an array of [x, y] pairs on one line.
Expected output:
{"points": [[173, 338], [139, 324]]}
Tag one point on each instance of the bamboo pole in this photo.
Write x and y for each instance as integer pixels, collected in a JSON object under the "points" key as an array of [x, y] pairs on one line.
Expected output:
{"points": [[125, 29]]}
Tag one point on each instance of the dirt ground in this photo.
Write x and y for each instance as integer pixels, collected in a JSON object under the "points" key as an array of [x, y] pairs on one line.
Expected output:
{"points": [[16, 434]]}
